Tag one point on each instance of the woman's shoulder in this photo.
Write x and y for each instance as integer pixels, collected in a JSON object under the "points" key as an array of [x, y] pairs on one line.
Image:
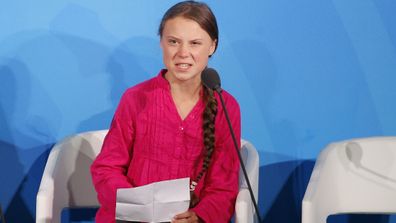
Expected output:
{"points": [[144, 87], [229, 99]]}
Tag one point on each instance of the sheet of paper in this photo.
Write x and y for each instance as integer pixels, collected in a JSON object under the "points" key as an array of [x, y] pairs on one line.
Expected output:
{"points": [[156, 202]]}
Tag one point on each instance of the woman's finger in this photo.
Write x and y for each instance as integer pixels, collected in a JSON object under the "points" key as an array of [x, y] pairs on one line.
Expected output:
{"points": [[186, 214]]}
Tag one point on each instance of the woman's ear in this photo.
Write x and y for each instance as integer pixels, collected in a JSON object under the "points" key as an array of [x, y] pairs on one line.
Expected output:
{"points": [[212, 48]]}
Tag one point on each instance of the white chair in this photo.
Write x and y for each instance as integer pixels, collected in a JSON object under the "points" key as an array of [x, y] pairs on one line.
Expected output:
{"points": [[354, 176], [66, 181]]}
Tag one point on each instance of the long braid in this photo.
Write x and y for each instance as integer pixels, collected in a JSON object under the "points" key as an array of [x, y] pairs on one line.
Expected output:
{"points": [[208, 125], [209, 116]]}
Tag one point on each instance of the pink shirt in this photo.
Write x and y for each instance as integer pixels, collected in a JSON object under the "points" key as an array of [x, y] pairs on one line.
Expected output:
{"points": [[149, 142]]}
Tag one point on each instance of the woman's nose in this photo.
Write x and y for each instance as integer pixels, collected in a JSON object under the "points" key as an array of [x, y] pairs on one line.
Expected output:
{"points": [[183, 51]]}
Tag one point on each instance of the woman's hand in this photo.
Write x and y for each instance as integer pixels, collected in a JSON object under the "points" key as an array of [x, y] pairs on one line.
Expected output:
{"points": [[186, 217]]}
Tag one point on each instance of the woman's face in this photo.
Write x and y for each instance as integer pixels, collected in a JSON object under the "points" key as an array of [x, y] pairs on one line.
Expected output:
{"points": [[186, 48]]}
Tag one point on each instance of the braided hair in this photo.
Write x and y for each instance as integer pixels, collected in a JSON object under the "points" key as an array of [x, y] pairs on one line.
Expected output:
{"points": [[208, 126]]}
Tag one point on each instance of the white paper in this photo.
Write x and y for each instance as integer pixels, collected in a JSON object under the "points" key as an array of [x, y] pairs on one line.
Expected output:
{"points": [[156, 202]]}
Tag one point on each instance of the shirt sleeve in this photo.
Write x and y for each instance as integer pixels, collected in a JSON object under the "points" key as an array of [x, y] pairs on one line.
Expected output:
{"points": [[218, 196], [110, 167]]}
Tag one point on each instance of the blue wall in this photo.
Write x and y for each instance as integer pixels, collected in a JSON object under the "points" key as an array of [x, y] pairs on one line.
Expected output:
{"points": [[306, 73]]}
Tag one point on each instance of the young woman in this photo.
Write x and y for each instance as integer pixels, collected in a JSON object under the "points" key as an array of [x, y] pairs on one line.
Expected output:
{"points": [[171, 126]]}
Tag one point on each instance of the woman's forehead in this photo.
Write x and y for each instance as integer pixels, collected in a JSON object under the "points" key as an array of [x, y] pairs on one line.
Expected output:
{"points": [[181, 27]]}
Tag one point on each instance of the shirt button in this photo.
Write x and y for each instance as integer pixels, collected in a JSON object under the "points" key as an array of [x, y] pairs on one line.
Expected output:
{"points": [[181, 128]]}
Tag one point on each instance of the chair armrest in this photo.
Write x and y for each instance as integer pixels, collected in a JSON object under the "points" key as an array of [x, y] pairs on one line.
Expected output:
{"points": [[251, 160], [44, 201], [244, 211], [45, 194], [316, 193]]}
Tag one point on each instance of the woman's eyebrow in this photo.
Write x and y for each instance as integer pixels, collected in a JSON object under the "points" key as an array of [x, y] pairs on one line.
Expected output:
{"points": [[174, 37], [198, 39]]}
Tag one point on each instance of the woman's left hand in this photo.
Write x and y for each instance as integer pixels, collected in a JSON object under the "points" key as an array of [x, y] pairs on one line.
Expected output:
{"points": [[186, 217]]}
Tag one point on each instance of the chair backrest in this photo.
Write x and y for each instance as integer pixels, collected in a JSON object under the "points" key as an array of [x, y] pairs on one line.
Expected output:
{"points": [[72, 178], [372, 155], [370, 165]]}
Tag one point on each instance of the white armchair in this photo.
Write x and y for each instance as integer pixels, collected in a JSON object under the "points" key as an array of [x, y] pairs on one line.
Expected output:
{"points": [[354, 176], [66, 181]]}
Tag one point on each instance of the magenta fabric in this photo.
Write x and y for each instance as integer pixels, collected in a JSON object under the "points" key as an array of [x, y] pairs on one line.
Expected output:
{"points": [[149, 142]]}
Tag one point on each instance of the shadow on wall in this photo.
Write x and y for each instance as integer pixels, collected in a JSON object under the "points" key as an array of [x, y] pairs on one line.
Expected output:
{"points": [[281, 201], [125, 69], [25, 134], [18, 190], [23, 204], [90, 49]]}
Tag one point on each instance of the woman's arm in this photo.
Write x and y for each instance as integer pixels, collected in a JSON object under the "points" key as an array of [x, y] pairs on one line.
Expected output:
{"points": [[110, 167]]}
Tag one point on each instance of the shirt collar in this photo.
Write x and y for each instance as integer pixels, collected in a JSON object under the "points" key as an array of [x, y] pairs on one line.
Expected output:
{"points": [[162, 82]]}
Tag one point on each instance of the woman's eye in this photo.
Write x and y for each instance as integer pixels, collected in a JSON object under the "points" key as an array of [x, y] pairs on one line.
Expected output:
{"points": [[172, 41], [196, 43]]}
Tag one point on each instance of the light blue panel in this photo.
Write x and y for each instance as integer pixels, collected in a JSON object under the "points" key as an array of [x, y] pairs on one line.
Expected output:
{"points": [[376, 54], [305, 73]]}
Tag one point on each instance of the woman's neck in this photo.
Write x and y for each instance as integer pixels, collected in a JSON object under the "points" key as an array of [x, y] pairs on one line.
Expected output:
{"points": [[185, 90], [185, 94]]}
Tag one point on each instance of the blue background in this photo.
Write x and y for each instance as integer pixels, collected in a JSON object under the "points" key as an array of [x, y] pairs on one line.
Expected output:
{"points": [[306, 73]]}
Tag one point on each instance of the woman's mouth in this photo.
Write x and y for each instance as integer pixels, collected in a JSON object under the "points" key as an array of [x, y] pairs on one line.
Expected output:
{"points": [[183, 66]]}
